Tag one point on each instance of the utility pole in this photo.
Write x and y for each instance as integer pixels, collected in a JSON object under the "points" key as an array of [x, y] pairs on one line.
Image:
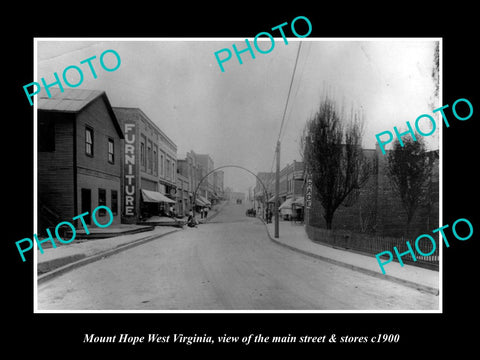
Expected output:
{"points": [[277, 189], [277, 150]]}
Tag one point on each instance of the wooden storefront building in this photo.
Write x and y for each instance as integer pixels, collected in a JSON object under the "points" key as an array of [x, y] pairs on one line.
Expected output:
{"points": [[79, 157]]}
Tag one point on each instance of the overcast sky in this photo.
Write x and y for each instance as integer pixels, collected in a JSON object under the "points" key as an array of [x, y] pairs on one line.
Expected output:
{"points": [[235, 115]]}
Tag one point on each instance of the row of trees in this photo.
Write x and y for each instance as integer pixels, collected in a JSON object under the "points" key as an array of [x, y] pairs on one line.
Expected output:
{"points": [[333, 156]]}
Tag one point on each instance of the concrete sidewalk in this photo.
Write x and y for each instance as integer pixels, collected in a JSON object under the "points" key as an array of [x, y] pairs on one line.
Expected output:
{"points": [[65, 257], [56, 261], [294, 237]]}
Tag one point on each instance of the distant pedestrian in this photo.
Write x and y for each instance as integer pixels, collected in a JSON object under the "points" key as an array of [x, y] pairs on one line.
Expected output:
{"points": [[171, 211], [201, 213], [191, 222], [206, 212]]}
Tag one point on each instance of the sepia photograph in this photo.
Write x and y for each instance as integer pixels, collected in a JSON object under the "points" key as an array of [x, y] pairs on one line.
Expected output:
{"points": [[266, 174]]}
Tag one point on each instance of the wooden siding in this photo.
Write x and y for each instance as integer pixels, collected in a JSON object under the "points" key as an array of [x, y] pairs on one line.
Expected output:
{"points": [[57, 174], [96, 116], [55, 171], [94, 172]]}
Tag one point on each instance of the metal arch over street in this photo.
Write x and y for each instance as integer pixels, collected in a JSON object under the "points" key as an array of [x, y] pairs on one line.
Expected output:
{"points": [[226, 166]]}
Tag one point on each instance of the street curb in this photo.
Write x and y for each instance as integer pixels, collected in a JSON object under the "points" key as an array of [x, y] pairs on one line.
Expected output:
{"points": [[404, 282], [87, 260], [50, 265]]}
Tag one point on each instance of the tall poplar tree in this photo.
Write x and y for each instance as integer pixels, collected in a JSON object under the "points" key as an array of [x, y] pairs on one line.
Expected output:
{"points": [[333, 155]]}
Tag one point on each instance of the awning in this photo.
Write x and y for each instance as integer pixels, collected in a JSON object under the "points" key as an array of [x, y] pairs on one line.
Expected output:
{"points": [[201, 201], [205, 201], [287, 204], [272, 199], [299, 201], [155, 196]]}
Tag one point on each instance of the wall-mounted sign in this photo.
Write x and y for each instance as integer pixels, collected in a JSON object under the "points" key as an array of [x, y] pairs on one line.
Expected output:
{"points": [[130, 169], [308, 193]]}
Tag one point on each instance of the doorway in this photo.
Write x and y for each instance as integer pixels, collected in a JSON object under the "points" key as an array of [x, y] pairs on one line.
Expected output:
{"points": [[87, 204]]}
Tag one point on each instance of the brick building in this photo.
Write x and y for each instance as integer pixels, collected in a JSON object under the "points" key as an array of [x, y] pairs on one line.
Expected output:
{"points": [[205, 163], [291, 190], [184, 203], [79, 156], [149, 167], [193, 171]]}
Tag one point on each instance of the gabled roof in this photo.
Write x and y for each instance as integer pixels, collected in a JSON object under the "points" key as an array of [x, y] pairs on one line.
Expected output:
{"points": [[70, 100], [74, 101]]}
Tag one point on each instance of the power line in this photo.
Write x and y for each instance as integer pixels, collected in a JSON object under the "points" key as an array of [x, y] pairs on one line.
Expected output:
{"points": [[298, 88], [285, 110], [289, 91]]}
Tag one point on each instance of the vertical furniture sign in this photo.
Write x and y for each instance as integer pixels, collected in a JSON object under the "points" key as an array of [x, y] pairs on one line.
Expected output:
{"points": [[130, 169]]}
